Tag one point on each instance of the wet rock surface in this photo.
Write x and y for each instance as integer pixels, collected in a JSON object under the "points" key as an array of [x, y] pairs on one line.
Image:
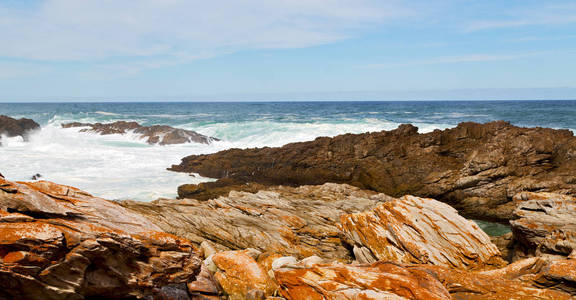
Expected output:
{"points": [[58, 242], [469, 166], [156, 134], [11, 127]]}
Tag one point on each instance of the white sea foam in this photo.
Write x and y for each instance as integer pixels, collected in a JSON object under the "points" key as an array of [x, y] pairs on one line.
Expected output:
{"points": [[105, 113], [125, 167]]}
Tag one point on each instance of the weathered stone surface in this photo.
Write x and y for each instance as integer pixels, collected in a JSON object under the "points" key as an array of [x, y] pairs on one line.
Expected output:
{"points": [[157, 134], [526, 279], [57, 242], [12, 127], [419, 230], [535, 278], [292, 221], [546, 225], [241, 277], [377, 281], [469, 166]]}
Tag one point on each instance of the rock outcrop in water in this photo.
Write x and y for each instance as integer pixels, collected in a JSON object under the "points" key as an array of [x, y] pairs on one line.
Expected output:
{"points": [[11, 127], [157, 134], [57, 242], [469, 166]]}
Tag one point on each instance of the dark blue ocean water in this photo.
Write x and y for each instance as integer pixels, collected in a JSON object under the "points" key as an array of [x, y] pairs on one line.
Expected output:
{"points": [[556, 114]]}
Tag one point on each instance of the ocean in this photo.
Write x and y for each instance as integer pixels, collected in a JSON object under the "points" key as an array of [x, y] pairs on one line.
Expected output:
{"points": [[123, 167]]}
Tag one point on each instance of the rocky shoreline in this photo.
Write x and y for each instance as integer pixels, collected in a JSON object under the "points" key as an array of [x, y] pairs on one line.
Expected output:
{"points": [[285, 223], [310, 242], [472, 165]]}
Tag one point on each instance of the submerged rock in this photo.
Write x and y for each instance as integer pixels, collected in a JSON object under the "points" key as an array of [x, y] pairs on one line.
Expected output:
{"points": [[157, 134], [292, 221], [418, 230], [11, 127], [58, 242], [469, 166]]}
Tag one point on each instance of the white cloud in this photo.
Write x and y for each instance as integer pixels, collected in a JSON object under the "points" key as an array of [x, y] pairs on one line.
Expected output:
{"points": [[541, 15], [180, 30]]}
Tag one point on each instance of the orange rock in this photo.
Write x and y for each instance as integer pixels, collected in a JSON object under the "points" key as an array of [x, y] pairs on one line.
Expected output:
{"points": [[240, 275], [378, 281], [62, 243], [419, 230]]}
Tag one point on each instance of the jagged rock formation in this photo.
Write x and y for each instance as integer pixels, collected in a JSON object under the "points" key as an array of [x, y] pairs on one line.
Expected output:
{"points": [[157, 134], [545, 225], [372, 282], [11, 127], [293, 221], [57, 242], [469, 166], [418, 230]]}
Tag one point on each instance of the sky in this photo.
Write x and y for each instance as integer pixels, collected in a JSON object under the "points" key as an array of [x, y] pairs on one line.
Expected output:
{"points": [[180, 50]]}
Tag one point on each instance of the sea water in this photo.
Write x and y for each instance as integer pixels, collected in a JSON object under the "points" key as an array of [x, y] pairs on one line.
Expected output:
{"points": [[125, 167]]}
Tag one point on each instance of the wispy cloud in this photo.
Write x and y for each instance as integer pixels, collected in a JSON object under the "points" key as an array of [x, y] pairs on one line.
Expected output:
{"points": [[180, 30], [541, 15], [471, 58]]}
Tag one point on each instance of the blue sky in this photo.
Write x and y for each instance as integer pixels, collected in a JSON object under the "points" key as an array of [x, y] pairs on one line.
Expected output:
{"points": [[93, 50]]}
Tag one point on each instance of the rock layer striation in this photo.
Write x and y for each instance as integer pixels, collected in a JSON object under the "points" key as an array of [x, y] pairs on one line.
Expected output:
{"points": [[58, 242], [298, 221], [418, 230]]}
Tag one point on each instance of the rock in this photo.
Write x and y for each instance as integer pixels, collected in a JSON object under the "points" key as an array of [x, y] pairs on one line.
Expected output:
{"points": [[528, 279], [290, 221], [156, 134], [377, 281], [211, 190], [36, 176], [505, 244], [205, 284], [11, 127], [469, 166], [418, 230], [546, 225], [241, 277], [57, 242]]}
